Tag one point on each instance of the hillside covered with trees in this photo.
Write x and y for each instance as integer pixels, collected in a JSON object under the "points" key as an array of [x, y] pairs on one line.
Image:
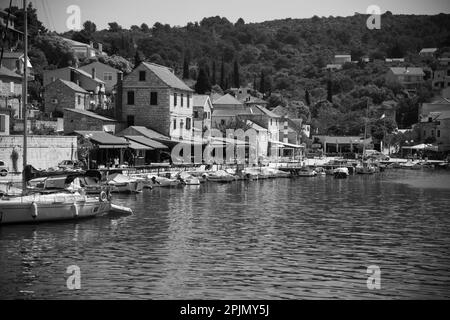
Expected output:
{"points": [[283, 59]]}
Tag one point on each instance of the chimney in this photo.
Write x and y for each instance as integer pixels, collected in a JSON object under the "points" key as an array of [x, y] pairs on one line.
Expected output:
{"points": [[93, 73], [72, 75], [100, 47], [286, 131], [118, 97]]}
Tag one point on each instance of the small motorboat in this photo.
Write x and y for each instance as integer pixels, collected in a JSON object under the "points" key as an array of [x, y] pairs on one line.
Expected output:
{"points": [[306, 172], [220, 176], [365, 168], [341, 173], [123, 184], [188, 179], [320, 171], [163, 182]]}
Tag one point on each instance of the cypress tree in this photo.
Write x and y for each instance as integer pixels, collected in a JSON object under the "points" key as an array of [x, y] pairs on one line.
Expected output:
{"points": [[186, 67], [307, 98], [222, 75], [329, 91], [262, 83], [203, 84], [237, 82], [213, 78]]}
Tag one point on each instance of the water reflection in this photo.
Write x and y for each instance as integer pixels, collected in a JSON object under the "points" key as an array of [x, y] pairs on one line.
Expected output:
{"points": [[281, 239]]}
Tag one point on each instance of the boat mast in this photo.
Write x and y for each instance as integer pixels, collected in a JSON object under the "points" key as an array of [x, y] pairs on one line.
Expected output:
{"points": [[24, 96], [365, 129]]}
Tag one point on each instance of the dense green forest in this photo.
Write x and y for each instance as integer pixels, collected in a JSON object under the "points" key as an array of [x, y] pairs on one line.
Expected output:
{"points": [[283, 59]]}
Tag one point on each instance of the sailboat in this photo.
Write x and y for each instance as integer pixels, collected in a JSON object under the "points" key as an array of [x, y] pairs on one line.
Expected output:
{"points": [[38, 207], [364, 167]]}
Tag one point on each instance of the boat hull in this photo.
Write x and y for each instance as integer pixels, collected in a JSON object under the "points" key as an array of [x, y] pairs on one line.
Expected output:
{"points": [[35, 212]]}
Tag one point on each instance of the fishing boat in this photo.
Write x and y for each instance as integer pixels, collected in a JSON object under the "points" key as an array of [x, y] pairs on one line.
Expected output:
{"points": [[120, 183], [320, 171]]}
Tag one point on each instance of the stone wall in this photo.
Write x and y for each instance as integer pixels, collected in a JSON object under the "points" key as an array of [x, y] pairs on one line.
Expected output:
{"points": [[43, 151]]}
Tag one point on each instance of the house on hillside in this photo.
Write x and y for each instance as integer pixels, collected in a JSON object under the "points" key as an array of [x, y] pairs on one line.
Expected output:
{"points": [[11, 92], [434, 124], [62, 95], [104, 72], [341, 59], [83, 50], [408, 77], [441, 76], [87, 81], [202, 112], [154, 97], [15, 61], [428, 52], [13, 36]]}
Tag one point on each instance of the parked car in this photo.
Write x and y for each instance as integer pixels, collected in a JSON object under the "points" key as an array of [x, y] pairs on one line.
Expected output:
{"points": [[70, 164], [3, 169]]}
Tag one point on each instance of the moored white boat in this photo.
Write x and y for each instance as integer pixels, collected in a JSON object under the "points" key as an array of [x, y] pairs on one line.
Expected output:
{"points": [[51, 207], [123, 184], [341, 173]]}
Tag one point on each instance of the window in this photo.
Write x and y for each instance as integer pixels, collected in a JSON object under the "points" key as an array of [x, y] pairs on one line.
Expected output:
{"points": [[130, 121], [438, 133], [222, 122], [107, 76], [195, 114], [424, 133], [270, 121], [174, 124], [141, 75], [175, 99], [188, 123], [182, 96], [130, 98], [188, 101], [79, 99], [153, 98], [432, 133], [2, 123]]}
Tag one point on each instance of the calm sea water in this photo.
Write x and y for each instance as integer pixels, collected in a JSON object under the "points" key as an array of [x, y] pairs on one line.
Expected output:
{"points": [[297, 238]]}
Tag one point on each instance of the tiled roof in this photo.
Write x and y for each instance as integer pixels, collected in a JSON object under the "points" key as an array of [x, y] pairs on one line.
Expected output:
{"points": [[200, 100], [72, 86], [90, 114], [227, 99], [407, 71], [104, 138], [147, 142], [268, 113], [15, 55], [87, 74], [5, 72], [167, 76]]}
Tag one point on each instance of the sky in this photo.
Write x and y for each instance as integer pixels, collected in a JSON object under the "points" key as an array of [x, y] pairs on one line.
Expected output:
{"points": [[53, 13]]}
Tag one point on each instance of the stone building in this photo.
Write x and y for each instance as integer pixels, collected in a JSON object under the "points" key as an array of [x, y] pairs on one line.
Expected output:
{"points": [[154, 97], [75, 119], [61, 95], [10, 91]]}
